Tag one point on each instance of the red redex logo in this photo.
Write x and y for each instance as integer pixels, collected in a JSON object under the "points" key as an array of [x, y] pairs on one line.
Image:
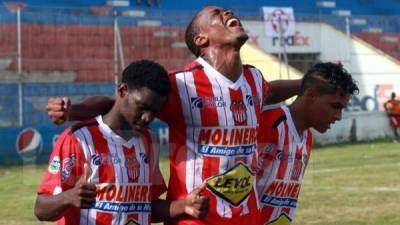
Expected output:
{"points": [[227, 141], [126, 198], [281, 194]]}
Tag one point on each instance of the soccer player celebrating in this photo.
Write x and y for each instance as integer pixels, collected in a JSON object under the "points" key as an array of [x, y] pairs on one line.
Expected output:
{"points": [[285, 138], [213, 115], [105, 170]]}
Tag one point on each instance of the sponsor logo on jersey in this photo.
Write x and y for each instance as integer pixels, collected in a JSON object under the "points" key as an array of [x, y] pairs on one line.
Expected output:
{"points": [[123, 198], [253, 100], [265, 156], [144, 157], [283, 219], [238, 109], [105, 159], [133, 167], [67, 165], [227, 142], [55, 165], [234, 185], [207, 102], [226, 136], [281, 194]]}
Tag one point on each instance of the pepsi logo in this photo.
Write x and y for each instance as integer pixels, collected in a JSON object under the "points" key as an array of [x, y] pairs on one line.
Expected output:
{"points": [[29, 144]]}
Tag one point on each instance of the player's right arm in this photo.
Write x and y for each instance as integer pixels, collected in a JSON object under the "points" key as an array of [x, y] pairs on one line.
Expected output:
{"points": [[60, 110], [65, 187], [52, 207]]}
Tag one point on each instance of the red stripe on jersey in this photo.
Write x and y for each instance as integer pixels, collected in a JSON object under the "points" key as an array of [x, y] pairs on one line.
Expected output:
{"points": [[104, 218], [173, 113], [209, 117], [285, 153], [250, 79], [239, 113], [148, 150], [106, 167]]}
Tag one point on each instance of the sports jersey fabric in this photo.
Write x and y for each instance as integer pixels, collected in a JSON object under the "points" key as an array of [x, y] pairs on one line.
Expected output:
{"points": [[283, 158], [213, 138], [126, 173]]}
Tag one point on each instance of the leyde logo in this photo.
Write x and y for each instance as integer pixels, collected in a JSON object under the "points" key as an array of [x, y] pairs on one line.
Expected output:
{"points": [[283, 219], [234, 185]]}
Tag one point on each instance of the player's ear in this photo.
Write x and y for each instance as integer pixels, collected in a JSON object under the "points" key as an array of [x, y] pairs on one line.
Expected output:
{"points": [[310, 94], [201, 40], [122, 90]]}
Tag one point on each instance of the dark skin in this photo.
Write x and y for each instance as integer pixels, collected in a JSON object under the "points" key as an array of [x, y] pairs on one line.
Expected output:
{"points": [[220, 39], [318, 111], [130, 114], [82, 195]]}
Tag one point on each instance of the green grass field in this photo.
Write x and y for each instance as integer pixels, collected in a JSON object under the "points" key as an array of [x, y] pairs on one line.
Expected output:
{"points": [[353, 184]]}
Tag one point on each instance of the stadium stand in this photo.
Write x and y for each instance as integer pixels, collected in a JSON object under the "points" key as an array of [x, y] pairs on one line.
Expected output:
{"points": [[76, 38]]}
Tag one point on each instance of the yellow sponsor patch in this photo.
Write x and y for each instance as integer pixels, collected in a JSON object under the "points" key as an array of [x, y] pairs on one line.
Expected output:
{"points": [[283, 219], [234, 185]]}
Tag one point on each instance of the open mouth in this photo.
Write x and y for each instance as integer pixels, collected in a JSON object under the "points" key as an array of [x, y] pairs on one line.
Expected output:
{"points": [[233, 22]]}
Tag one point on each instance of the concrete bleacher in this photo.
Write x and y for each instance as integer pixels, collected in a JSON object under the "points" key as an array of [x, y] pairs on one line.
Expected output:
{"points": [[387, 42]]}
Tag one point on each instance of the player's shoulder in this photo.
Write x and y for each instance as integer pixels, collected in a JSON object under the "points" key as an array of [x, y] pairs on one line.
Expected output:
{"points": [[249, 66], [273, 116], [70, 131], [191, 67]]}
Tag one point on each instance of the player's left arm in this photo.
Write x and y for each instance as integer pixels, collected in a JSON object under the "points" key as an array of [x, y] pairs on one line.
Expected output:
{"points": [[280, 90], [194, 204]]}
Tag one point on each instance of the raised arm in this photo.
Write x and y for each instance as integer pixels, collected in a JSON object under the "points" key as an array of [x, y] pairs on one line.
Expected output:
{"points": [[60, 109], [282, 90]]}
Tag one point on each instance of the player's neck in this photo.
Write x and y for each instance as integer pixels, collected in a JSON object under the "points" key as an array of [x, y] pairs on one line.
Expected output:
{"points": [[228, 63], [297, 112], [117, 123]]}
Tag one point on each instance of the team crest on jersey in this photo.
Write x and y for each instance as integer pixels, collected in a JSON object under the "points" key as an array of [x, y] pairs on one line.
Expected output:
{"points": [[283, 219], [133, 167], [297, 165], [239, 113], [234, 185], [132, 222]]}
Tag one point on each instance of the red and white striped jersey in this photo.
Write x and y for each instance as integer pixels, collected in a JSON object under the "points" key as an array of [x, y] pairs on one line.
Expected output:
{"points": [[126, 174], [283, 158], [213, 138]]}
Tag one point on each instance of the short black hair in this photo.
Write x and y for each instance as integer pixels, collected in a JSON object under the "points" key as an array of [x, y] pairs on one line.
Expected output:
{"points": [[146, 73], [191, 31], [328, 78]]}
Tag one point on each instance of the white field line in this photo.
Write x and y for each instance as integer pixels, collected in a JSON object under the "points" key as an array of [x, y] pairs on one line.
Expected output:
{"points": [[337, 169]]}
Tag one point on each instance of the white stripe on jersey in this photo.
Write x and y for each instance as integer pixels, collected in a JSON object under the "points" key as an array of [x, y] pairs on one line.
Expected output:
{"points": [[186, 87]]}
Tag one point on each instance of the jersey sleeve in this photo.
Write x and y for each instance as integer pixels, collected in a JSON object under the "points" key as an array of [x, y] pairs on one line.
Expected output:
{"points": [[267, 138], [266, 87], [65, 165], [158, 186]]}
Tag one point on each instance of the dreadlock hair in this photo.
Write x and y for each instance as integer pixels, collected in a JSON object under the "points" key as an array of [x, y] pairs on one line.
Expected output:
{"points": [[328, 78], [191, 31], [146, 73]]}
